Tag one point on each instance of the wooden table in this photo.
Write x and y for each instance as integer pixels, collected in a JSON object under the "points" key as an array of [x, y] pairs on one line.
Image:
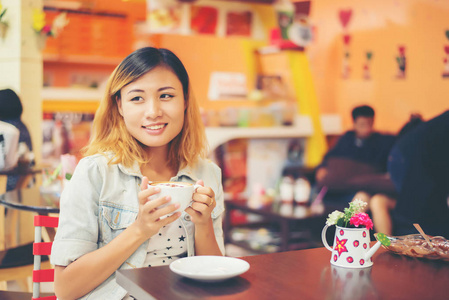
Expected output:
{"points": [[25, 173], [301, 274], [31, 199], [289, 217]]}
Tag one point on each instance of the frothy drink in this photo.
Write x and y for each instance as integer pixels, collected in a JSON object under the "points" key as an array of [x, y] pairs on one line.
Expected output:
{"points": [[180, 192]]}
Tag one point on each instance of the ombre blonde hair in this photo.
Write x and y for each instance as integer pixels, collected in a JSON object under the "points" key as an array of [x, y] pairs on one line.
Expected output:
{"points": [[109, 133]]}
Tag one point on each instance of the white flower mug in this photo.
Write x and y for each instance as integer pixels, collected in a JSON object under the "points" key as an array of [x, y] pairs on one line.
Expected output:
{"points": [[180, 192], [351, 247]]}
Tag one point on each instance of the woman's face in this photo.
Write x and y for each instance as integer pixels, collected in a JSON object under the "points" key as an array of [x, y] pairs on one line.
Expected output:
{"points": [[153, 107]]}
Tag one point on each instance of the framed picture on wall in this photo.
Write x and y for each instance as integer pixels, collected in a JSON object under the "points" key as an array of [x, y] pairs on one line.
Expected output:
{"points": [[272, 86], [204, 19], [239, 23]]}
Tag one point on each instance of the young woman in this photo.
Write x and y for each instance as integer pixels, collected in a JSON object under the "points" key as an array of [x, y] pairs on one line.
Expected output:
{"points": [[147, 128]]}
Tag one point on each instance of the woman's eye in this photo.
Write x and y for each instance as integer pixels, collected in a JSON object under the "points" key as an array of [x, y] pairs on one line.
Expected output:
{"points": [[137, 98], [166, 96]]}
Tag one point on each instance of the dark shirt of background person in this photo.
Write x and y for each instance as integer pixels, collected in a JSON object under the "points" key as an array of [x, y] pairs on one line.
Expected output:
{"points": [[11, 112], [419, 167], [363, 144]]}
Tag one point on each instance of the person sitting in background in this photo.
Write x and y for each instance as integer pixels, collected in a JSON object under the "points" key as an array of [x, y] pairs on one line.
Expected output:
{"points": [[9, 142], [11, 112], [419, 168], [356, 167], [381, 205]]}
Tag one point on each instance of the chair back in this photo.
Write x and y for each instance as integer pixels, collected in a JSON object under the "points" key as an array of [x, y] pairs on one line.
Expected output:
{"points": [[42, 248]]}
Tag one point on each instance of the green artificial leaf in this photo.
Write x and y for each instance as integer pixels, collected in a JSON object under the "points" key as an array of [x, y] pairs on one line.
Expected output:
{"points": [[447, 34], [341, 222], [369, 55], [68, 176], [3, 13]]}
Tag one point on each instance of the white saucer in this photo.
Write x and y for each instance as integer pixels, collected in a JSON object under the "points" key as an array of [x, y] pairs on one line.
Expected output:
{"points": [[209, 268]]}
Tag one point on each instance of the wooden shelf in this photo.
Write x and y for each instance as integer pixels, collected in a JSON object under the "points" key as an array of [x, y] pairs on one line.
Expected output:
{"points": [[82, 59], [218, 135]]}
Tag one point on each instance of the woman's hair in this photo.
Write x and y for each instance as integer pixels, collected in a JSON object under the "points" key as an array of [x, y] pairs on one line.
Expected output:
{"points": [[109, 133], [11, 106]]}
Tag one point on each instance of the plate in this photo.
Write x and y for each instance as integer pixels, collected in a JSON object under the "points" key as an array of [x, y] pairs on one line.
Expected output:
{"points": [[209, 268]]}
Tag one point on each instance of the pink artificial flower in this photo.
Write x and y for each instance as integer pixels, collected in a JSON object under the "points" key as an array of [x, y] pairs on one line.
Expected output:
{"points": [[361, 219], [46, 29]]}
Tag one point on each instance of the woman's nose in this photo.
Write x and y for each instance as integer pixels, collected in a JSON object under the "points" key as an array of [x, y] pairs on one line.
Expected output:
{"points": [[153, 109]]}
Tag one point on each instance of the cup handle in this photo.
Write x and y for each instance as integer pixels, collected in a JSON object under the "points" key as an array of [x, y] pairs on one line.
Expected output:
{"points": [[195, 187], [323, 238]]}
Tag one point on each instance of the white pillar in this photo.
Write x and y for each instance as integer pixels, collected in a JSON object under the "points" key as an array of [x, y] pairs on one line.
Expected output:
{"points": [[21, 67]]}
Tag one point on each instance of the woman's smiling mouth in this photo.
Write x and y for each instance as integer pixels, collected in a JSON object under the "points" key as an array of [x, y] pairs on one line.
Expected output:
{"points": [[155, 129]]}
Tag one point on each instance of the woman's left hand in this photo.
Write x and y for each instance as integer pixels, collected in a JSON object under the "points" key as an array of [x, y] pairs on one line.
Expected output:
{"points": [[203, 204]]}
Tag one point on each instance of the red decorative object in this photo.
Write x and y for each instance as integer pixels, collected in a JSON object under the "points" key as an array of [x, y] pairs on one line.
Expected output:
{"points": [[340, 245], [350, 259], [346, 39], [204, 19], [239, 23], [356, 243], [276, 40], [345, 17]]}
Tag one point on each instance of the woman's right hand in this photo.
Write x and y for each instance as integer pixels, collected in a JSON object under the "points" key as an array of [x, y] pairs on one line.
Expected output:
{"points": [[148, 221]]}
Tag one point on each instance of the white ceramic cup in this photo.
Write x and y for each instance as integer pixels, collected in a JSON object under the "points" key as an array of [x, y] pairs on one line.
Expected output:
{"points": [[180, 192], [351, 247]]}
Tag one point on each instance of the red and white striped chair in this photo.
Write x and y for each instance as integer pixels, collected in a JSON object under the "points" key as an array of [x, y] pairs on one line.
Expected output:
{"points": [[40, 251], [42, 248]]}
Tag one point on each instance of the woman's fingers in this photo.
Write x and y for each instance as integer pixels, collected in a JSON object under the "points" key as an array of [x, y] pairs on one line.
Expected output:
{"points": [[169, 219], [144, 184], [158, 208], [205, 191], [203, 199], [202, 207], [146, 193]]}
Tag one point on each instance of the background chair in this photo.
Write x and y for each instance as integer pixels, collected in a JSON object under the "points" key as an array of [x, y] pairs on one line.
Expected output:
{"points": [[39, 249], [39, 268]]}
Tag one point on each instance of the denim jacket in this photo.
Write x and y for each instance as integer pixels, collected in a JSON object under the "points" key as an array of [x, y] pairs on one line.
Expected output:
{"points": [[100, 201]]}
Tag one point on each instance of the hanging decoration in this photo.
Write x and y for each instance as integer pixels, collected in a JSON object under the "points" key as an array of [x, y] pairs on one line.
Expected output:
{"points": [[446, 59], [44, 29], [402, 63], [3, 23], [294, 30], [345, 17], [366, 66]]}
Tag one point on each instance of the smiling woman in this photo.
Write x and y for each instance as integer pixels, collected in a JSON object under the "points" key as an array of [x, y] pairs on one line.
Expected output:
{"points": [[147, 128], [153, 108]]}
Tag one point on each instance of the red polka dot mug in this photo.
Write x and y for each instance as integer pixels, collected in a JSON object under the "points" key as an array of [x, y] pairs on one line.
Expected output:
{"points": [[351, 247]]}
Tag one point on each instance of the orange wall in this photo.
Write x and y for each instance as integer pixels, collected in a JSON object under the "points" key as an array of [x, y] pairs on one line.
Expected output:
{"points": [[381, 26], [204, 54]]}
